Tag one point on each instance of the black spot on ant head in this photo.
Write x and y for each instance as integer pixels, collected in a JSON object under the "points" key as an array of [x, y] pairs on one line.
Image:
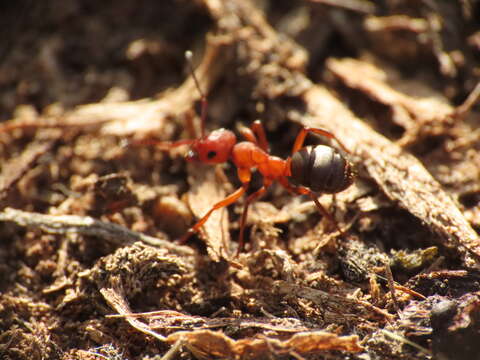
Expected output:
{"points": [[211, 154]]}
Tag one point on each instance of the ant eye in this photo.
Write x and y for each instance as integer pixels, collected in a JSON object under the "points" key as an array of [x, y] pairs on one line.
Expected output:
{"points": [[211, 154]]}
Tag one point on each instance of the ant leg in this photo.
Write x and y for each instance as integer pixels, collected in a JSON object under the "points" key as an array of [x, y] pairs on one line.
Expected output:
{"points": [[324, 212], [225, 202], [203, 98], [305, 130], [251, 198], [255, 134], [300, 190], [257, 128], [203, 114], [247, 134]]}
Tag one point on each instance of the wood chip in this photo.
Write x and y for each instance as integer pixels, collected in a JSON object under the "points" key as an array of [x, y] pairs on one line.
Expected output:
{"points": [[204, 193]]}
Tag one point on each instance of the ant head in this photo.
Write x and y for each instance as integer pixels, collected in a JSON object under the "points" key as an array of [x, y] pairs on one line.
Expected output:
{"points": [[215, 148]]}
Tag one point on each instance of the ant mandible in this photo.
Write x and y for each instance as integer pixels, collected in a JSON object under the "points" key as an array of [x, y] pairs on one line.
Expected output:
{"points": [[310, 170]]}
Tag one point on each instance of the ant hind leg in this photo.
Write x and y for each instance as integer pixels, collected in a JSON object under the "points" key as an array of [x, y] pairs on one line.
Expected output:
{"points": [[301, 190], [324, 212], [305, 130], [250, 199]]}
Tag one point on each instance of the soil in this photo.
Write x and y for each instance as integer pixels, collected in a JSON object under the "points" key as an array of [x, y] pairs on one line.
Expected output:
{"points": [[95, 200]]}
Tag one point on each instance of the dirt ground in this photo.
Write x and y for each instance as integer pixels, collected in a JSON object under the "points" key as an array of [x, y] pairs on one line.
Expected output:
{"points": [[91, 266]]}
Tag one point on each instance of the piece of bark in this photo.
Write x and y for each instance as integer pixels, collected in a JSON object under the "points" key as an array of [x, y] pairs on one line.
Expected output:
{"points": [[340, 305], [413, 106], [204, 193]]}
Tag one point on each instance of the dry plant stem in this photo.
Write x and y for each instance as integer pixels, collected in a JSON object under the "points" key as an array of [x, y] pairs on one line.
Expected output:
{"points": [[174, 350], [410, 292], [464, 108], [406, 341], [364, 7], [85, 225], [168, 319], [116, 299], [49, 123], [391, 286]]}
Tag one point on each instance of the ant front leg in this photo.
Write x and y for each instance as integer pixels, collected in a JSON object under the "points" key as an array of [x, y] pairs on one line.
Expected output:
{"points": [[305, 130], [225, 202]]}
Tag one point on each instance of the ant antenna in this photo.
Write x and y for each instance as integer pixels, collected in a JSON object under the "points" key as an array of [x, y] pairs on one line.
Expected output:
{"points": [[203, 98]]}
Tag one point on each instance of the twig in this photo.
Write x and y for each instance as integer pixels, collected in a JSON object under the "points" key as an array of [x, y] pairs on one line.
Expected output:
{"points": [[176, 348], [465, 107], [402, 339], [391, 285], [115, 297], [364, 7], [86, 225]]}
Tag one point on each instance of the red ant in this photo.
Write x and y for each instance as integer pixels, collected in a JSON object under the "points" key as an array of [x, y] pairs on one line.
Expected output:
{"points": [[309, 171]]}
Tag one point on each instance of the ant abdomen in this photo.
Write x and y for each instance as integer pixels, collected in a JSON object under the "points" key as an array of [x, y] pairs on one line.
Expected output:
{"points": [[322, 169]]}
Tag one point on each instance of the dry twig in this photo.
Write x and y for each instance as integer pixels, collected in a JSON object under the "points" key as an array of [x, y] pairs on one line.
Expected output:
{"points": [[86, 225]]}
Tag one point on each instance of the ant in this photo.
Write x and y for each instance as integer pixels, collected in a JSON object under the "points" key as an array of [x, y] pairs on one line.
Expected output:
{"points": [[309, 171]]}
